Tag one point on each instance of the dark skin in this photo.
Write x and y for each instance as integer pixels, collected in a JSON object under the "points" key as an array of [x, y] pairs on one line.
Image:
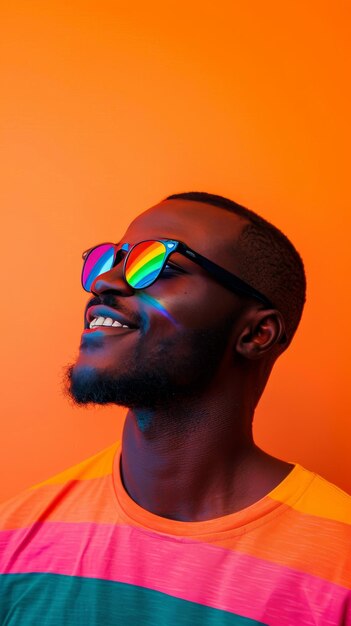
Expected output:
{"points": [[193, 458]]}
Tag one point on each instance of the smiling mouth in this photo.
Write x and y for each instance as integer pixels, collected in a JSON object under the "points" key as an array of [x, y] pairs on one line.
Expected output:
{"points": [[106, 321]]}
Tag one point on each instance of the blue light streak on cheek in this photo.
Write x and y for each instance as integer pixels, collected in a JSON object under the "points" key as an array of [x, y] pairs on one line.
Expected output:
{"points": [[145, 297]]}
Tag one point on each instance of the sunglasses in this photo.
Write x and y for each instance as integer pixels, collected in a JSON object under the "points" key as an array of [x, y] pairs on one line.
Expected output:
{"points": [[145, 261]]}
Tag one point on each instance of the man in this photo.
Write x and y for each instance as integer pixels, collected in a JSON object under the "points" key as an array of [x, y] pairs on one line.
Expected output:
{"points": [[188, 521]]}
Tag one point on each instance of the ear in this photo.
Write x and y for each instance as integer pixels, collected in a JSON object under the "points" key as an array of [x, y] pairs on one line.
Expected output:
{"points": [[263, 331]]}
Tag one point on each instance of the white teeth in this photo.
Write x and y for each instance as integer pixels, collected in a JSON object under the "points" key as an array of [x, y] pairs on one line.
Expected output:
{"points": [[97, 321], [106, 321]]}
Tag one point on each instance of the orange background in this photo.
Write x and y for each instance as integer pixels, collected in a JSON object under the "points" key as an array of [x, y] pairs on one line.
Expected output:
{"points": [[109, 106]]}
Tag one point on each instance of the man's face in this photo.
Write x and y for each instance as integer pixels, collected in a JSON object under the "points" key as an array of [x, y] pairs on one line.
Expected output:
{"points": [[180, 325]]}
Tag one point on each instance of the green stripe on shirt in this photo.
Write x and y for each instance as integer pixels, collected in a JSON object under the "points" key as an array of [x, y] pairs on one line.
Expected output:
{"points": [[57, 600]]}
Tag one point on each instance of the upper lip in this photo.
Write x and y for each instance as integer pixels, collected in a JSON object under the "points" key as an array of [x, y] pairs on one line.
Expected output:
{"points": [[101, 310]]}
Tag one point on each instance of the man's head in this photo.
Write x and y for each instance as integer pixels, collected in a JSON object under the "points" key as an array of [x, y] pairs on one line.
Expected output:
{"points": [[188, 330]]}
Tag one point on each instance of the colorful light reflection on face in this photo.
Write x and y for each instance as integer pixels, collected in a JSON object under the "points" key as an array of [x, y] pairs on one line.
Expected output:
{"points": [[156, 304]]}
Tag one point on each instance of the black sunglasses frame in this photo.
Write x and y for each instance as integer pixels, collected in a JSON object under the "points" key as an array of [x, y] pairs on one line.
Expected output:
{"points": [[226, 278]]}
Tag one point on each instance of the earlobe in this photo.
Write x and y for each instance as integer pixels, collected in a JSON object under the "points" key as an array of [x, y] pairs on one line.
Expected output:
{"points": [[264, 331]]}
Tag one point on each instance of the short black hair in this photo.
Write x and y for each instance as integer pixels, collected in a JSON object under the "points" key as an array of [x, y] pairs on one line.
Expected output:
{"points": [[266, 259]]}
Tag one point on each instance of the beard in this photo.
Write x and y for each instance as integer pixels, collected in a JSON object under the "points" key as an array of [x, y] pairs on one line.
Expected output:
{"points": [[131, 390], [152, 379]]}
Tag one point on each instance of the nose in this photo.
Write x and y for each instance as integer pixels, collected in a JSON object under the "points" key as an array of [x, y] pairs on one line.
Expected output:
{"points": [[112, 282]]}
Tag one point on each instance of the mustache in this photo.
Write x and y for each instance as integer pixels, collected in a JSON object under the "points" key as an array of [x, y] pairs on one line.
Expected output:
{"points": [[112, 301]]}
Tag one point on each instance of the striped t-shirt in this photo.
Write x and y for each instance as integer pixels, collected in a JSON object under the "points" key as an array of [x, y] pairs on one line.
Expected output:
{"points": [[77, 550]]}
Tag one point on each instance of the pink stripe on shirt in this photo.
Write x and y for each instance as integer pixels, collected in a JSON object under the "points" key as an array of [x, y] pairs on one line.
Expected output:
{"points": [[178, 567]]}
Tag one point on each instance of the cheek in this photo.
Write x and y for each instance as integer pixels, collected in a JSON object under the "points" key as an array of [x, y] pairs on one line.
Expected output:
{"points": [[156, 312], [195, 307]]}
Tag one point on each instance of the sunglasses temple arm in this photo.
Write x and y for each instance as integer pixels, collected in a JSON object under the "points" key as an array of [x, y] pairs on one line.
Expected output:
{"points": [[226, 278]]}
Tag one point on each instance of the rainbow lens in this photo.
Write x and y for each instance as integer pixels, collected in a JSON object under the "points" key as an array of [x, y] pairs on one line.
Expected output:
{"points": [[144, 263], [98, 261]]}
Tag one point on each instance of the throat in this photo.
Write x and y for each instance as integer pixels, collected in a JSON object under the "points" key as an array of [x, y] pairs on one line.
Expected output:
{"points": [[188, 478]]}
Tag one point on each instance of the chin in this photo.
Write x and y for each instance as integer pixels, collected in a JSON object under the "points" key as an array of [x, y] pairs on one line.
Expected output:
{"points": [[84, 384]]}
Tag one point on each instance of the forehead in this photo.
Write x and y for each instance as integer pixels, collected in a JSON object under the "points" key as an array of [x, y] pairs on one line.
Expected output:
{"points": [[208, 229]]}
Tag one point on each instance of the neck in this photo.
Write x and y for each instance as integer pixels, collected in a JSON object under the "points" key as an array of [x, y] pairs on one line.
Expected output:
{"points": [[197, 460]]}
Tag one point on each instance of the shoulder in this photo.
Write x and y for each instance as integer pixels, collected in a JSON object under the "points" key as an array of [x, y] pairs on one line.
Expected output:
{"points": [[44, 500], [325, 500], [311, 495]]}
